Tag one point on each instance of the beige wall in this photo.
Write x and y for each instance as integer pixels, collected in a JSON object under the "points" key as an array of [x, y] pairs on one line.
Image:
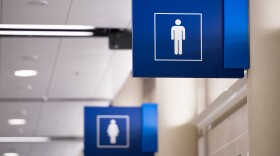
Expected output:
{"points": [[131, 93], [179, 101], [177, 107], [264, 78], [215, 87], [230, 137]]}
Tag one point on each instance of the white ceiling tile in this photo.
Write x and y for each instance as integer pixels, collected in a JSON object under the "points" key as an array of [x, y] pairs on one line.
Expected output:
{"points": [[116, 74], [21, 149], [59, 119], [100, 13], [17, 54], [81, 62], [20, 12], [22, 110], [74, 149], [79, 129], [63, 118], [56, 149]]}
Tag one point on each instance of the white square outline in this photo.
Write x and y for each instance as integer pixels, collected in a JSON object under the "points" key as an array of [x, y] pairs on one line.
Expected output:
{"points": [[110, 117], [155, 38]]}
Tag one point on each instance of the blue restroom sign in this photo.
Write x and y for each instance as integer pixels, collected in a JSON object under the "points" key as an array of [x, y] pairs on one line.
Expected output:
{"points": [[182, 38], [113, 131], [178, 36], [121, 131]]}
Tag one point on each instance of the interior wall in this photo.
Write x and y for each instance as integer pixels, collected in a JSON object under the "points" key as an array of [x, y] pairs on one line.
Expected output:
{"points": [[179, 101], [176, 100], [263, 79], [215, 87], [230, 136], [201, 95], [131, 94]]}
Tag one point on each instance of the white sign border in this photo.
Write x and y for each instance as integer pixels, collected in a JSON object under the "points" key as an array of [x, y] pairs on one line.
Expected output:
{"points": [[155, 39], [110, 117]]}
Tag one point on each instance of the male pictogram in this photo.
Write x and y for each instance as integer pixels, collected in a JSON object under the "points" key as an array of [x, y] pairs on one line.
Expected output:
{"points": [[178, 35]]}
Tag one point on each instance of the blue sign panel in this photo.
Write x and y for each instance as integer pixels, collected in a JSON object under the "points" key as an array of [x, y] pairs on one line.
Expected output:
{"points": [[182, 42], [236, 34], [108, 137], [114, 131], [179, 38], [149, 128]]}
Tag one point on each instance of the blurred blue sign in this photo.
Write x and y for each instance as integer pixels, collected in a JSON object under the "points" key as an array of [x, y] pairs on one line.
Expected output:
{"points": [[113, 131], [183, 38], [236, 34], [120, 131]]}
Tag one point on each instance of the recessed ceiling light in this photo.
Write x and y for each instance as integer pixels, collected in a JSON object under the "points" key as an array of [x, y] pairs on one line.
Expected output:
{"points": [[16, 122], [25, 73], [38, 2], [10, 154]]}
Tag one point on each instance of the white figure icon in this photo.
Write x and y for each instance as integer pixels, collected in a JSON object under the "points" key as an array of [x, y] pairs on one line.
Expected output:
{"points": [[113, 131], [178, 35]]}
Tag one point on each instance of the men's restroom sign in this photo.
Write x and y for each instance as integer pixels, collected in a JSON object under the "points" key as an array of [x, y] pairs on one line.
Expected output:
{"points": [[112, 131], [178, 36]]}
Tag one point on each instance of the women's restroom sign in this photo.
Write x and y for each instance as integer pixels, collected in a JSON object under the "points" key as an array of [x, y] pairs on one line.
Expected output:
{"points": [[121, 131], [112, 131], [184, 38]]}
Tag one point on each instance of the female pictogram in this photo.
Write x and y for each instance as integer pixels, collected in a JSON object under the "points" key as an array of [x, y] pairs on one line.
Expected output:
{"points": [[113, 131]]}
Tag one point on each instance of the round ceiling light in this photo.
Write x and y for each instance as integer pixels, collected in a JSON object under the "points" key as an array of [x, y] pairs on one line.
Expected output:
{"points": [[25, 73], [38, 2]]}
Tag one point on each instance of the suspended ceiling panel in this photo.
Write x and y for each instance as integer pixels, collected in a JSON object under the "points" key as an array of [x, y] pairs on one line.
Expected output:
{"points": [[63, 118], [56, 149], [75, 149], [21, 149], [19, 110], [26, 53], [20, 12], [116, 74], [101, 13], [80, 66], [68, 68]]}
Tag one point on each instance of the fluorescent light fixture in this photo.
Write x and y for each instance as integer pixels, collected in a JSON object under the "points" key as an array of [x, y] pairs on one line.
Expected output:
{"points": [[49, 27], [25, 73], [24, 139], [46, 33], [38, 2], [17, 121], [10, 154]]}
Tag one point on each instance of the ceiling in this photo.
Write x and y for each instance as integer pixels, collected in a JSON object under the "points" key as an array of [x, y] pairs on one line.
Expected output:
{"points": [[72, 72]]}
